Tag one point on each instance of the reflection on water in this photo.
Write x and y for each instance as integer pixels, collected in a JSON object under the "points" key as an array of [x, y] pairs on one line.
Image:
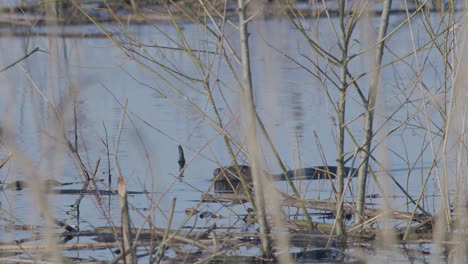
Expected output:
{"points": [[96, 77], [297, 114]]}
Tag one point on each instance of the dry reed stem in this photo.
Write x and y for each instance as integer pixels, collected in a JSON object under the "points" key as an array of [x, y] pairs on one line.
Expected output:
{"points": [[455, 148], [259, 178], [5, 160], [163, 245], [127, 248], [369, 105]]}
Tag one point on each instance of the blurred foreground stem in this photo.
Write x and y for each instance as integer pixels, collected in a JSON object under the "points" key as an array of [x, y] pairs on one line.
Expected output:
{"points": [[258, 178]]}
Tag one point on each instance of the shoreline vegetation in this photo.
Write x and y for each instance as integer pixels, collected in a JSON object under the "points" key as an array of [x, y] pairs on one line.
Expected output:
{"points": [[70, 13]]}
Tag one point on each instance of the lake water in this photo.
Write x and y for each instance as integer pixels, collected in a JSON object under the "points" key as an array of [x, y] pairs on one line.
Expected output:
{"points": [[290, 100]]}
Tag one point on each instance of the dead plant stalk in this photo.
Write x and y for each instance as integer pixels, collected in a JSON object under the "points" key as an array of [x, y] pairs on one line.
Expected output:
{"points": [[369, 114], [251, 131], [122, 191]]}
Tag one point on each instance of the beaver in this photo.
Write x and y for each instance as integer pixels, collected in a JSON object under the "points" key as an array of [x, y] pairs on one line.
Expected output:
{"points": [[226, 178]]}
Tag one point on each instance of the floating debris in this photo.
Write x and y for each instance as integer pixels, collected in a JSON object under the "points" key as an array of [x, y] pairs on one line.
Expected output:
{"points": [[191, 211], [207, 214]]}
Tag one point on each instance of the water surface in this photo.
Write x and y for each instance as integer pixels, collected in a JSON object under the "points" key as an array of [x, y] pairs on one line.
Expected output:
{"points": [[291, 102]]}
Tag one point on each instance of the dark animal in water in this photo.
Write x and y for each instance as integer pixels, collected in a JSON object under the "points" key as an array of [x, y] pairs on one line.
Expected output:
{"points": [[227, 179], [181, 160]]}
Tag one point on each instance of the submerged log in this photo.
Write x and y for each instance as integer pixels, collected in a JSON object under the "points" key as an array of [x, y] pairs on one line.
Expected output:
{"points": [[323, 205]]}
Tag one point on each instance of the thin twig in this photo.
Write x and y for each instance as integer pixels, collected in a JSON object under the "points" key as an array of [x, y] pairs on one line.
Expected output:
{"points": [[23, 58]]}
